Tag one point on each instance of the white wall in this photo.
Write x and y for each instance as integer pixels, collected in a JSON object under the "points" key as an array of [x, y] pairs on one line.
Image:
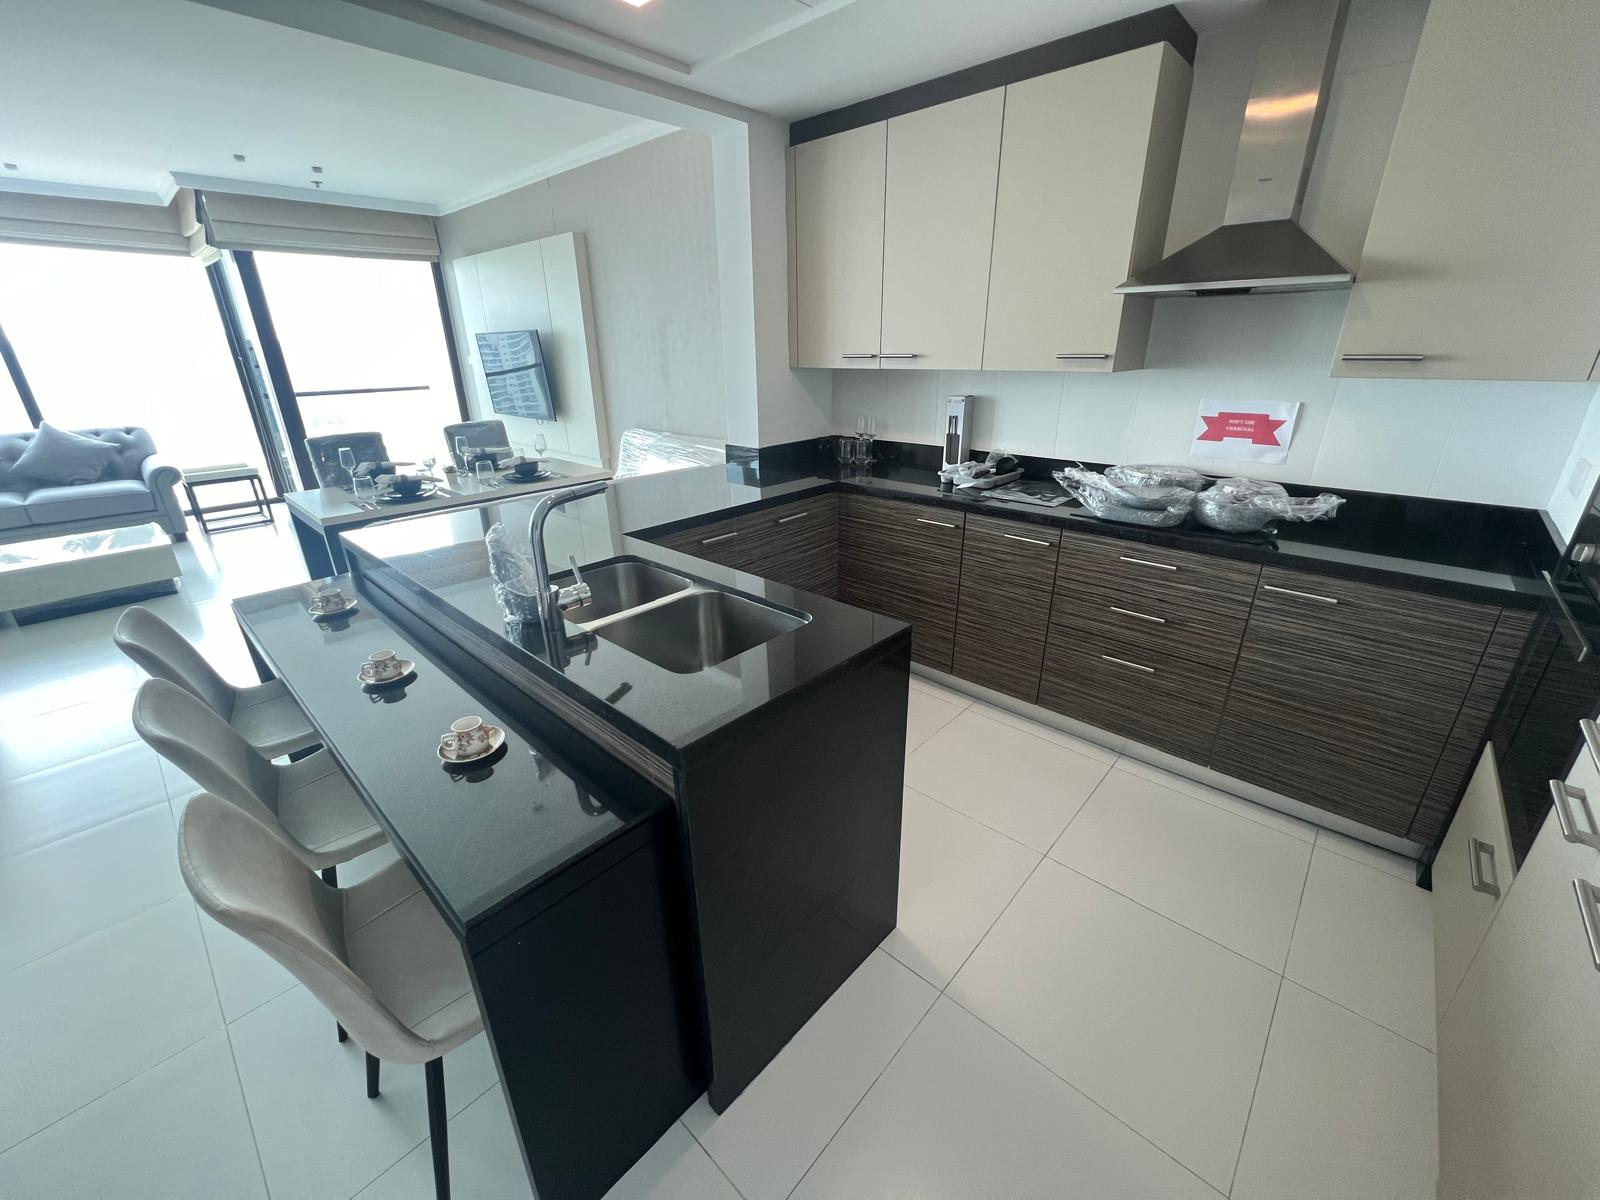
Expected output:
{"points": [[1491, 442], [1576, 478], [647, 219]]}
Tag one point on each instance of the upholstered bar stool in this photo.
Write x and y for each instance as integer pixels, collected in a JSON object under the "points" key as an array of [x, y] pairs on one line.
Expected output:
{"points": [[377, 955], [265, 715]]}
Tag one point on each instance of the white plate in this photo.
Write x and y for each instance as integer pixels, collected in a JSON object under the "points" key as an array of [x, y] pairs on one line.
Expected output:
{"points": [[497, 738], [349, 606], [406, 667]]}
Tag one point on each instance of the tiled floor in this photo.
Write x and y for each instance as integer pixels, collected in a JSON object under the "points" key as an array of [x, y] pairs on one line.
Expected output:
{"points": [[1107, 982]]}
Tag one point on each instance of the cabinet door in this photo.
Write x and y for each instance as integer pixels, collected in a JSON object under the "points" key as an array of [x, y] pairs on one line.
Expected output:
{"points": [[1345, 693], [1007, 574], [796, 544], [1087, 159], [938, 226], [838, 250], [1482, 254], [904, 560], [1471, 875], [1519, 1063], [715, 541]]}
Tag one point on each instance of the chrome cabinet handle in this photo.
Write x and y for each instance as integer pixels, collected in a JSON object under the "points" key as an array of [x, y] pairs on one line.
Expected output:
{"points": [[858, 356], [1578, 644], [1081, 357], [721, 537], [897, 356], [1031, 541], [1128, 612], [795, 517], [1382, 357], [1145, 562], [1591, 739], [1267, 587], [1477, 852], [1590, 912], [1122, 662], [1561, 795], [940, 524]]}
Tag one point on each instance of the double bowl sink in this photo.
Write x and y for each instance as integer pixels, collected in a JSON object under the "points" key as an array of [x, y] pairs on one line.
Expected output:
{"points": [[678, 623]]}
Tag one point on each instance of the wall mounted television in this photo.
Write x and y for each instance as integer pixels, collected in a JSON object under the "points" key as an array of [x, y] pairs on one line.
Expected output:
{"points": [[514, 370]]}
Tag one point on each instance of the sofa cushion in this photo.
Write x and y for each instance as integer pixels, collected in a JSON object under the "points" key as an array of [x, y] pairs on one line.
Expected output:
{"points": [[104, 498], [132, 445], [58, 457], [12, 513]]}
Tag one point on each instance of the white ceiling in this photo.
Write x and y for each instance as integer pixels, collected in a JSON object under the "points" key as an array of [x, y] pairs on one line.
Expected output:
{"points": [[118, 97], [796, 58]]}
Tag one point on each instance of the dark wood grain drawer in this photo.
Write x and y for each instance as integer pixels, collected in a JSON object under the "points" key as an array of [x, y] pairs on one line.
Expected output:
{"points": [[1007, 572], [904, 560], [796, 544], [1166, 702], [1217, 589], [715, 541], [1164, 625]]}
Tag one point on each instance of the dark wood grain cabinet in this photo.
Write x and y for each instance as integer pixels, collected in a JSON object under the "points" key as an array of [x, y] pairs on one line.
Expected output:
{"points": [[796, 544], [904, 560], [715, 541], [1008, 571]]}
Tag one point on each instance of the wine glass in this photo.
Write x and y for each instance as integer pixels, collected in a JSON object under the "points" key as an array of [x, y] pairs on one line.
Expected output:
{"points": [[461, 453], [347, 464], [483, 471], [427, 465], [540, 445], [364, 489]]}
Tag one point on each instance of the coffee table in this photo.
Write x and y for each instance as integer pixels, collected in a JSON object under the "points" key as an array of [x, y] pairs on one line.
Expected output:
{"points": [[65, 574]]}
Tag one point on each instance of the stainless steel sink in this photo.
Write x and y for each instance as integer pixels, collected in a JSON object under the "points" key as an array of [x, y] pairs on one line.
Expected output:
{"points": [[618, 586], [699, 630]]}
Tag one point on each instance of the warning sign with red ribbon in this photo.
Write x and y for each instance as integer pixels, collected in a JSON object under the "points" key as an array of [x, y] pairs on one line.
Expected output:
{"points": [[1253, 432]]}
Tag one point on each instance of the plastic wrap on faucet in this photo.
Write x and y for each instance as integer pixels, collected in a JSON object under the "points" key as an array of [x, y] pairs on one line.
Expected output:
{"points": [[516, 586], [1159, 507], [1249, 505], [650, 452], [1144, 475]]}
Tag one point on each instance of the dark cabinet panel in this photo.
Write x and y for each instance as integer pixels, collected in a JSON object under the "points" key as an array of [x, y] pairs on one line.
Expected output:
{"points": [[1217, 590], [904, 560], [1007, 572], [715, 541], [1163, 625], [796, 544]]}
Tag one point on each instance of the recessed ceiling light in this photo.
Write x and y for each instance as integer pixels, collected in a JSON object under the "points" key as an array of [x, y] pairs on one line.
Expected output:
{"points": [[316, 170], [238, 158], [636, 3], [9, 166]]}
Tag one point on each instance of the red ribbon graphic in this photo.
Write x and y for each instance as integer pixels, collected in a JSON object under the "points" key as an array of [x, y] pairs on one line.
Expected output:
{"points": [[1257, 428]]}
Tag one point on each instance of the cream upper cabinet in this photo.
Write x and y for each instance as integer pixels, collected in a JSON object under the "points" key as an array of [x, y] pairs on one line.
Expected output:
{"points": [[1087, 161], [938, 225], [838, 199], [1483, 255]]}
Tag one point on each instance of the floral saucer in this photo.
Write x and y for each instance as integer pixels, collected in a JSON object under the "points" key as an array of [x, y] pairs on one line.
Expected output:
{"points": [[407, 668], [349, 605], [497, 738]]}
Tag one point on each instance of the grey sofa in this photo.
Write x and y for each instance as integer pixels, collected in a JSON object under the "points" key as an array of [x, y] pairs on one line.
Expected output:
{"points": [[136, 488]]}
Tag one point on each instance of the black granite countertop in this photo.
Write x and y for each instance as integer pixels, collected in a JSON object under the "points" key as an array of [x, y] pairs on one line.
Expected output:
{"points": [[1471, 551], [441, 562], [477, 839]]}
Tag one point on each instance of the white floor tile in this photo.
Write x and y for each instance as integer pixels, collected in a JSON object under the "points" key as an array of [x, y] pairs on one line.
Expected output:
{"points": [[675, 1168], [48, 683], [1345, 1110], [1049, 733], [920, 683], [1259, 813], [72, 733], [963, 1113], [177, 1131], [246, 976], [43, 807], [1397, 865], [955, 877], [1024, 786], [926, 714], [1158, 1025], [1221, 875], [60, 892], [1364, 939], [91, 1016], [317, 1132], [769, 1136], [485, 1161]]}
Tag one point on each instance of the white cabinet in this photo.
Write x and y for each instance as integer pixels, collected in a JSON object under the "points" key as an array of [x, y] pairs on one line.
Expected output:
{"points": [[1483, 255], [1471, 876], [1087, 160], [938, 226], [1519, 1059], [838, 232]]}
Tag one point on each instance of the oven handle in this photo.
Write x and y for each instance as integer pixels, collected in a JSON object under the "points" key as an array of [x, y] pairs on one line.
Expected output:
{"points": [[1577, 643]]}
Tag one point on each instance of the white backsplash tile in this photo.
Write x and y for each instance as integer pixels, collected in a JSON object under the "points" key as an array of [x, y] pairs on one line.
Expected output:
{"points": [[1386, 435], [1096, 417], [1502, 439]]}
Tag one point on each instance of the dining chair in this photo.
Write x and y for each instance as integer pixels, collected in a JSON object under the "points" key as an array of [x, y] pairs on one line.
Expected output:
{"points": [[480, 435], [264, 714], [367, 446], [376, 954]]}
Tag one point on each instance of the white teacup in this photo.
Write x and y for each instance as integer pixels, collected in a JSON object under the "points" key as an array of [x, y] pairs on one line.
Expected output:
{"points": [[383, 665], [327, 599], [467, 737]]}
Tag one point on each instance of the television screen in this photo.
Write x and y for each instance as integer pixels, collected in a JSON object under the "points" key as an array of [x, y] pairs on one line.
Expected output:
{"points": [[514, 369]]}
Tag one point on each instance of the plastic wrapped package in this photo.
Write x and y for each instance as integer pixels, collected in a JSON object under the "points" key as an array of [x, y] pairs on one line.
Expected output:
{"points": [[649, 452], [516, 586], [1249, 505], [1157, 507], [1157, 477]]}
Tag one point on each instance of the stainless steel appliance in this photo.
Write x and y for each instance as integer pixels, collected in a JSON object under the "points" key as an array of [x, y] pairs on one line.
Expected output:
{"points": [[956, 436]]}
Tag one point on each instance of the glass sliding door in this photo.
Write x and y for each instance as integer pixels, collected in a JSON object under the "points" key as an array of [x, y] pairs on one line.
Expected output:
{"points": [[14, 415], [110, 338], [364, 342]]}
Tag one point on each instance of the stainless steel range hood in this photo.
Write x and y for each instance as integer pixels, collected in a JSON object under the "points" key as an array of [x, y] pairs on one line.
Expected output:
{"points": [[1260, 247]]}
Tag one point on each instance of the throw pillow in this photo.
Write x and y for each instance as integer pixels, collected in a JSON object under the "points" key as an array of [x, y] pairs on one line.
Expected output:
{"points": [[57, 457]]}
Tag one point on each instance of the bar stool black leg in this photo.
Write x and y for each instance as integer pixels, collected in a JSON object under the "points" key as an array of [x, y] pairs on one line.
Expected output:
{"points": [[372, 1078], [433, 1071]]}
